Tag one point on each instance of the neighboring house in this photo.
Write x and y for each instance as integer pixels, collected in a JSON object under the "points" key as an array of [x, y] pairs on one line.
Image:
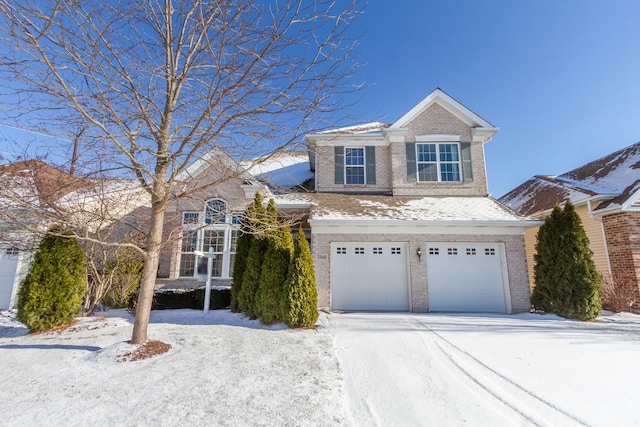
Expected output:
{"points": [[606, 194], [26, 188], [399, 215], [34, 196]]}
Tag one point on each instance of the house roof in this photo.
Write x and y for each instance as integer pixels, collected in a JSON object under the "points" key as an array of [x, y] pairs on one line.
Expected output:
{"points": [[286, 170], [36, 179], [613, 180], [365, 128], [484, 210], [482, 130], [454, 107]]}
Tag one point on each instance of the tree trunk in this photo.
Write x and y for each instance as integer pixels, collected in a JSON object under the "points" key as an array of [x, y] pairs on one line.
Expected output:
{"points": [[145, 297]]}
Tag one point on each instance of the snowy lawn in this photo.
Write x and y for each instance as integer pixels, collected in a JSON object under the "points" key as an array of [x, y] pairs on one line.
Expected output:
{"points": [[354, 369]]}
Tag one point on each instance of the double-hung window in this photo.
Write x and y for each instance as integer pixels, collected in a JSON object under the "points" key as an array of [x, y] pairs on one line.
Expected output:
{"points": [[438, 161], [354, 166]]}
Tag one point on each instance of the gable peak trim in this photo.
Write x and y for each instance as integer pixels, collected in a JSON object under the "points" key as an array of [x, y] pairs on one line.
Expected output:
{"points": [[447, 102]]}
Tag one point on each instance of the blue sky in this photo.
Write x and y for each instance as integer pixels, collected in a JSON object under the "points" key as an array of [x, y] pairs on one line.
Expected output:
{"points": [[560, 78]]}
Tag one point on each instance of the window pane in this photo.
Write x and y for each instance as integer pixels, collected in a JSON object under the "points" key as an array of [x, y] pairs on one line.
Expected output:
{"points": [[236, 218], [213, 239], [354, 175], [190, 218], [215, 211], [190, 243], [450, 172], [354, 156], [187, 265], [234, 240], [449, 153], [231, 260], [427, 172], [216, 268], [426, 152]]}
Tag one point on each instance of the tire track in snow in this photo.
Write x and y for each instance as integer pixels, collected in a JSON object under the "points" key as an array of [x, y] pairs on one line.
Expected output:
{"points": [[531, 407]]}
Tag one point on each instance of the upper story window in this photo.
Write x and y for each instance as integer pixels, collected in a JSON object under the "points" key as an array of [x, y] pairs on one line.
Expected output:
{"points": [[438, 162], [354, 166], [190, 218], [215, 211]]}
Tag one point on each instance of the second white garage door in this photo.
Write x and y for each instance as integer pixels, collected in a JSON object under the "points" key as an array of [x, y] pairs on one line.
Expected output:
{"points": [[467, 277], [369, 276]]}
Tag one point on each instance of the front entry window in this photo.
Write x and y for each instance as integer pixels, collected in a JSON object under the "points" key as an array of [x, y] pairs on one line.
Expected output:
{"points": [[219, 232]]}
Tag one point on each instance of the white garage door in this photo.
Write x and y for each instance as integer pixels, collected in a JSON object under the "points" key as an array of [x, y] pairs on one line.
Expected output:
{"points": [[9, 258], [466, 277], [369, 276]]}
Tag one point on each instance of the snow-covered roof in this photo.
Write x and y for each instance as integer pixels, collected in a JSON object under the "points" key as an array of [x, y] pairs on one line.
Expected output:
{"points": [[281, 170], [425, 209], [614, 178], [371, 127]]}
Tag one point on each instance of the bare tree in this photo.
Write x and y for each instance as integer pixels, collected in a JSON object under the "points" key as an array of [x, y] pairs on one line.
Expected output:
{"points": [[157, 84]]}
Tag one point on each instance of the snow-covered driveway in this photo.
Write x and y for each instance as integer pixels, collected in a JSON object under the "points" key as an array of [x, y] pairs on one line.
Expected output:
{"points": [[437, 369]]}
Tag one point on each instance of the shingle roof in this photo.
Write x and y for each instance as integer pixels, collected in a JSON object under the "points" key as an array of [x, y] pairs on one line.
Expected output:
{"points": [[614, 177], [442, 209]]}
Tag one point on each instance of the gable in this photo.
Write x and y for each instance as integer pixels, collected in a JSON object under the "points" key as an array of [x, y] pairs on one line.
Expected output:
{"points": [[481, 130], [437, 120]]}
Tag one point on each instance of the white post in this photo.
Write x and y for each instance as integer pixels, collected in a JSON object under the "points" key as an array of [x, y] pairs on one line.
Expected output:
{"points": [[207, 289]]}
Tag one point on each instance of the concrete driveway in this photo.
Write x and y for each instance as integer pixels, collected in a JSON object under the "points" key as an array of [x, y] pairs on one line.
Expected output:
{"points": [[409, 369]]}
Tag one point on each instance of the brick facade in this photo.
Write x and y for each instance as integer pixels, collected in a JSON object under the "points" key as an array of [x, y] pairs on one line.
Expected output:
{"points": [[391, 160], [622, 233], [325, 179], [437, 120], [419, 288]]}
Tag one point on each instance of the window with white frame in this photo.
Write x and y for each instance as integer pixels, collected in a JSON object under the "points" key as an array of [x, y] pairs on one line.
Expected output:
{"points": [[215, 211], [354, 166], [218, 231], [438, 161]]}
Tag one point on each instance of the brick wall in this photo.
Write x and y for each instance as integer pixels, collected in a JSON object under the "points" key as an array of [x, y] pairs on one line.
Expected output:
{"points": [[325, 172], [437, 120], [622, 233], [514, 252]]}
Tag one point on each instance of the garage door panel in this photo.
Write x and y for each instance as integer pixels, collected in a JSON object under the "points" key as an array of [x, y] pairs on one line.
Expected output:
{"points": [[369, 276], [9, 259], [466, 277]]}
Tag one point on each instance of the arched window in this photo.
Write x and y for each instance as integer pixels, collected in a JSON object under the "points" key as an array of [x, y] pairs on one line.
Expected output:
{"points": [[215, 211]]}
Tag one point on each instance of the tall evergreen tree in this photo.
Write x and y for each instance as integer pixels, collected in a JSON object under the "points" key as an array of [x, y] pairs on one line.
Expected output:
{"points": [[274, 274], [51, 294], [300, 304], [566, 280], [253, 266], [247, 234]]}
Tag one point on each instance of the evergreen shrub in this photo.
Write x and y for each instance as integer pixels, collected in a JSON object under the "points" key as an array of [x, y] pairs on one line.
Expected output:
{"points": [[51, 295], [566, 280], [300, 303]]}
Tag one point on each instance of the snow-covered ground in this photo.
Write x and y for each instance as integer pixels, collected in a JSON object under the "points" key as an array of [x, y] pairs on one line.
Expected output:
{"points": [[354, 369]]}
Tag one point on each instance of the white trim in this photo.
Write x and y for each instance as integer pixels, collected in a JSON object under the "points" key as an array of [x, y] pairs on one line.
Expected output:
{"points": [[439, 162], [440, 137], [419, 227], [631, 200], [448, 103], [363, 166], [352, 140]]}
